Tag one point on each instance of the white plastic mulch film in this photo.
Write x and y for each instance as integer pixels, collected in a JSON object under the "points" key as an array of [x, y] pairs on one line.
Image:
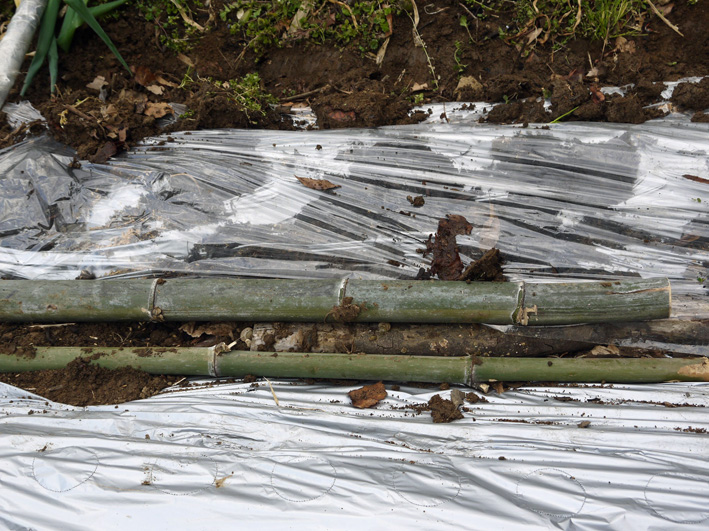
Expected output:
{"points": [[572, 201], [594, 457]]}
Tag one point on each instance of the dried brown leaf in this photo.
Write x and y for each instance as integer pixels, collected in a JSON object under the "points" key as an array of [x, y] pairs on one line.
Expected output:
{"points": [[165, 82], [696, 179], [157, 110], [155, 89], [609, 350], [143, 75], [98, 83], [596, 95], [195, 330], [317, 184]]}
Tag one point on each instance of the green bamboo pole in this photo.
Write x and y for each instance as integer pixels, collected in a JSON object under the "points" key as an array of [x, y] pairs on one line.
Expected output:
{"points": [[330, 300], [556, 304], [589, 370], [216, 361], [239, 363]]}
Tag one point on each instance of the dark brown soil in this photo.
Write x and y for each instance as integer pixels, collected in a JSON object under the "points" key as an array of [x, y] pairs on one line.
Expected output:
{"points": [[446, 262], [82, 383], [487, 268], [443, 410], [346, 88], [347, 311]]}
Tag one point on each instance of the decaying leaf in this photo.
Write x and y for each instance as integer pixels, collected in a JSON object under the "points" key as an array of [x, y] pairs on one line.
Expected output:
{"points": [[143, 75], [608, 350], [182, 57], [696, 179], [196, 330], [157, 110], [155, 89], [109, 149], [165, 82], [382, 52], [624, 45], [596, 95], [317, 184], [532, 36], [418, 87], [98, 83], [368, 396]]}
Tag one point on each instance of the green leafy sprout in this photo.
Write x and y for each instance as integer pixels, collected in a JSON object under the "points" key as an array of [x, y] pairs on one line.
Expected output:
{"points": [[459, 66], [246, 93], [48, 42]]}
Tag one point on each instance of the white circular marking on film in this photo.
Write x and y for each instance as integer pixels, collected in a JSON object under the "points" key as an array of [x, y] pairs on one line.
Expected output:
{"points": [[678, 498], [303, 479], [426, 485], [181, 476], [65, 468], [551, 492]]}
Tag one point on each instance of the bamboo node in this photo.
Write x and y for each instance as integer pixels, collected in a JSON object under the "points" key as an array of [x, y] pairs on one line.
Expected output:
{"points": [[523, 317]]}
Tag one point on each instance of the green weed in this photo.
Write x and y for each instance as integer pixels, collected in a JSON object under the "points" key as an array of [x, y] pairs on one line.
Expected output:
{"points": [[75, 14], [459, 66], [176, 33], [246, 93]]}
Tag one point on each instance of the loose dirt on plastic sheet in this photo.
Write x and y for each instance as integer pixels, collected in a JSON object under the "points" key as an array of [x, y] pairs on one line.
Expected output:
{"points": [[100, 110]]}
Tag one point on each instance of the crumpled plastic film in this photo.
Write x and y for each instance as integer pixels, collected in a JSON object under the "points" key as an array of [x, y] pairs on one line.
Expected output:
{"points": [[567, 201], [612, 457]]}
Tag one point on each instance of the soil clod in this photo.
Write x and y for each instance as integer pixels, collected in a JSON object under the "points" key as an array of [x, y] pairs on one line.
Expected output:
{"points": [[443, 410], [368, 396]]}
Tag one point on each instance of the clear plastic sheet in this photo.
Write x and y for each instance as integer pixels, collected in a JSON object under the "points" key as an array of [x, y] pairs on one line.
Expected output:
{"points": [[226, 456], [571, 201]]}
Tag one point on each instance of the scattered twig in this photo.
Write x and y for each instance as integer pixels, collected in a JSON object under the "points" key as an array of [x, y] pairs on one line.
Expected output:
{"points": [[663, 19], [468, 11], [80, 114], [275, 398], [186, 17], [348, 8], [578, 17], [304, 95]]}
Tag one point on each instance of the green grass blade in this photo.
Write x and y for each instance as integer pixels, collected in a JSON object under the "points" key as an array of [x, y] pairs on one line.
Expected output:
{"points": [[558, 119], [104, 9], [83, 12], [72, 22], [44, 42], [53, 65], [69, 26]]}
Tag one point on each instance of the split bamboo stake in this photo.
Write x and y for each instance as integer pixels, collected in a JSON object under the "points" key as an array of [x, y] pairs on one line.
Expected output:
{"points": [[219, 362], [333, 300]]}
